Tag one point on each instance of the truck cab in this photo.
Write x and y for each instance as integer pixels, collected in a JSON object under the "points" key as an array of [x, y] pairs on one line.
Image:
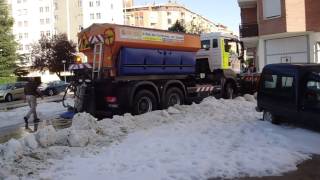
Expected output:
{"points": [[220, 51], [290, 92]]}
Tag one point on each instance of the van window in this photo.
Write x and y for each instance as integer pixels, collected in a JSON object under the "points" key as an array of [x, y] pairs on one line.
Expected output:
{"points": [[270, 82], [286, 88], [313, 91], [214, 43], [205, 44]]}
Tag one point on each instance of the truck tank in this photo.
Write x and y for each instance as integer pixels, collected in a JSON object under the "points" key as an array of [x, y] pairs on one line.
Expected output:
{"points": [[140, 51]]}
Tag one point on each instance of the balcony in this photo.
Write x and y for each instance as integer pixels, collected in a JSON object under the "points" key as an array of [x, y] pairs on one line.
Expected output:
{"points": [[247, 3], [249, 30]]}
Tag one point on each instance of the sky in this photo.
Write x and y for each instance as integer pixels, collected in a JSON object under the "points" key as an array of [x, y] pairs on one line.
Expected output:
{"points": [[225, 12]]}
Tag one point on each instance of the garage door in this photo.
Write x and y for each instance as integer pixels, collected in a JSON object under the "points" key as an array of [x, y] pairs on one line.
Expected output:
{"points": [[287, 50]]}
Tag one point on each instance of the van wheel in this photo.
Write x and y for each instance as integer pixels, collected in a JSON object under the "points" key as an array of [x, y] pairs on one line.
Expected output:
{"points": [[173, 96], [9, 98], [144, 101], [268, 116]]}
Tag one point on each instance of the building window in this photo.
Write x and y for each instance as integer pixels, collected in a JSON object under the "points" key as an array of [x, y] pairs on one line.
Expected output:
{"points": [[48, 33], [168, 13], [91, 16], [55, 6], [271, 9], [111, 6], [24, 1], [98, 15], [27, 47], [26, 23], [47, 21], [42, 21], [42, 33], [20, 36], [20, 23], [91, 4], [98, 3], [169, 21], [41, 9], [317, 52], [80, 3], [20, 47], [18, 1], [47, 9], [56, 17], [26, 35]]}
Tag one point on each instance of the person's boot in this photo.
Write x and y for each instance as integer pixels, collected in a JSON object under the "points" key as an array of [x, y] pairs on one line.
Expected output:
{"points": [[26, 124]]}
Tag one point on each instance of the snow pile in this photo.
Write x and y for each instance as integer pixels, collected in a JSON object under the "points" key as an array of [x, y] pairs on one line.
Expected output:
{"points": [[217, 138]]}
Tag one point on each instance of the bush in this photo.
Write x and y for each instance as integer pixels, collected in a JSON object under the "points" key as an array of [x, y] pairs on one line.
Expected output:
{"points": [[5, 80]]}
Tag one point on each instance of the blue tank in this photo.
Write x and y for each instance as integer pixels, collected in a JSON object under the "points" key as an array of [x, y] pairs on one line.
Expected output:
{"points": [[133, 61]]}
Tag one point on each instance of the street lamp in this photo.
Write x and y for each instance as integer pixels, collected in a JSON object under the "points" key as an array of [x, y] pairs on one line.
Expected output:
{"points": [[64, 70]]}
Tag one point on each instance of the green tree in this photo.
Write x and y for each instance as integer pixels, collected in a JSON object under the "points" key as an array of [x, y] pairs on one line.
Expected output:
{"points": [[177, 27], [8, 45], [49, 53]]}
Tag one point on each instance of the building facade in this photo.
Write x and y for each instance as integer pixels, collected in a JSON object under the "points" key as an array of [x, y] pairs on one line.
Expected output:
{"points": [[163, 16], [281, 31], [49, 17]]}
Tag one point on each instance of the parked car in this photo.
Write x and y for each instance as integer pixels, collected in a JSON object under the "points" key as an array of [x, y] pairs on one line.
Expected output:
{"points": [[53, 88], [10, 92], [290, 92]]}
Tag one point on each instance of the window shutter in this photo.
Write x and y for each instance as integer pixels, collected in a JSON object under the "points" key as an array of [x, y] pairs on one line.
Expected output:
{"points": [[271, 8]]}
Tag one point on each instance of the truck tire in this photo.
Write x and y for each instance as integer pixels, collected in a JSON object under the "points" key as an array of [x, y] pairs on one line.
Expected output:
{"points": [[268, 116], [143, 102], [172, 97]]}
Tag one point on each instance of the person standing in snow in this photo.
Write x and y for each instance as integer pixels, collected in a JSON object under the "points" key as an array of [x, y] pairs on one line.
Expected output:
{"points": [[31, 92]]}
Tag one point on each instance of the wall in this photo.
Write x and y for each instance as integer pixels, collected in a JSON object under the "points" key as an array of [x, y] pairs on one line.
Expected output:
{"points": [[313, 15], [249, 15], [296, 15], [271, 26]]}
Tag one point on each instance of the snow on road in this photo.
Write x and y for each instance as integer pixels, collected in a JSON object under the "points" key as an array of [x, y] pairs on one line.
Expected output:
{"points": [[217, 138], [45, 111]]}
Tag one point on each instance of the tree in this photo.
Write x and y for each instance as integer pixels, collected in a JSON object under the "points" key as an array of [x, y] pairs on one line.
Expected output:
{"points": [[49, 53], [8, 45], [177, 27], [196, 26]]}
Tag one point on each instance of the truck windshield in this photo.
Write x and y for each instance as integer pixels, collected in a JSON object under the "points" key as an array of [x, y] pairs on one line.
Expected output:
{"points": [[205, 44]]}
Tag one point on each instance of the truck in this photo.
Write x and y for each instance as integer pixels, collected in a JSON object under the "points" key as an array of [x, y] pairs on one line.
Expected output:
{"points": [[290, 92], [139, 70]]}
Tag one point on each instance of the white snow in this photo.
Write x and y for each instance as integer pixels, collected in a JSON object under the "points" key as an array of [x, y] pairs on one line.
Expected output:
{"points": [[217, 138]]}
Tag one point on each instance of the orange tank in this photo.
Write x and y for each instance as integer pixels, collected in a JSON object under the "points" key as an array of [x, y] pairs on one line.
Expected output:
{"points": [[114, 37]]}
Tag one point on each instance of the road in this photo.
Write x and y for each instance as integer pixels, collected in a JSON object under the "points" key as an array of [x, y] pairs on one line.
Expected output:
{"points": [[21, 103]]}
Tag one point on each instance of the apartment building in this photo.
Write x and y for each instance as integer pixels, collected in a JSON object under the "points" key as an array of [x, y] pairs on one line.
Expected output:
{"points": [[281, 31], [34, 18], [31, 20], [163, 16]]}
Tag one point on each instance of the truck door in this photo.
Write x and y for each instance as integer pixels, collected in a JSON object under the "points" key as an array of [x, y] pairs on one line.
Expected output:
{"points": [[311, 103]]}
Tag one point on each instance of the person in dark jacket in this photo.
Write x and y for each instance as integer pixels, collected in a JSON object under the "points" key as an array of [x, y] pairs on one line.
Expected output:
{"points": [[31, 92]]}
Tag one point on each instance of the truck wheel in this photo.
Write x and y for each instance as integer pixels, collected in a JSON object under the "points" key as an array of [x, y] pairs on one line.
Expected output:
{"points": [[229, 91], [9, 98], [144, 101], [173, 96], [268, 116]]}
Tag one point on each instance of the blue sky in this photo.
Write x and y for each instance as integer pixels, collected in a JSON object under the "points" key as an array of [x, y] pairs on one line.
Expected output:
{"points": [[225, 12]]}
